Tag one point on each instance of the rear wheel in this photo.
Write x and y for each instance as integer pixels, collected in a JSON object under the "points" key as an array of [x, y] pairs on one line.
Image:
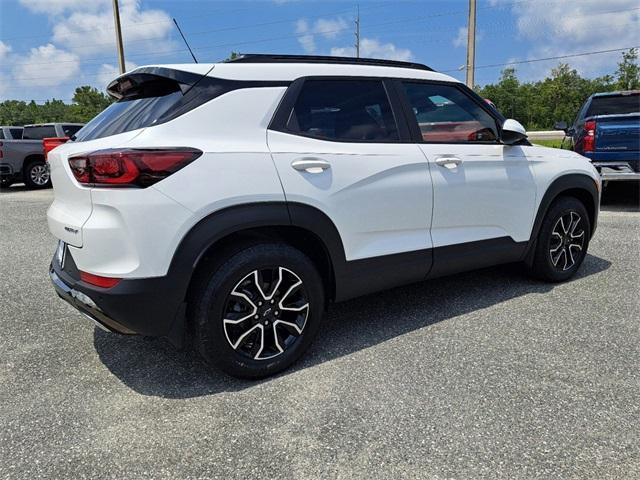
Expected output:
{"points": [[258, 311], [36, 174], [563, 241]]}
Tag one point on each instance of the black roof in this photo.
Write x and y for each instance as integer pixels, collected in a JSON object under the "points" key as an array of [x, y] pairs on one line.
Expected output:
{"points": [[268, 58]]}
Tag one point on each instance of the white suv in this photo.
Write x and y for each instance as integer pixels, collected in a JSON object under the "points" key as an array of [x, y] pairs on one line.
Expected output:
{"points": [[227, 205]]}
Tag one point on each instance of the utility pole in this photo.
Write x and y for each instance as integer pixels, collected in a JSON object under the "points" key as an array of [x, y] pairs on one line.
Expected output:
{"points": [[471, 43], [116, 20], [357, 33]]}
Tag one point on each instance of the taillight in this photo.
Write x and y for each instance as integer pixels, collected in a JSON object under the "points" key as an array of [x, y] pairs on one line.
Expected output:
{"points": [[49, 144], [98, 281], [589, 139], [131, 167]]}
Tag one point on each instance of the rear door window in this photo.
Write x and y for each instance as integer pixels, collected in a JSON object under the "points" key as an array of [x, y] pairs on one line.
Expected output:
{"points": [[39, 132], [445, 114], [614, 105], [70, 130], [16, 133], [344, 110]]}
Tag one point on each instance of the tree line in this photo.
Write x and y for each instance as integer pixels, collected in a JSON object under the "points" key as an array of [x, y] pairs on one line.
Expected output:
{"points": [[87, 103], [538, 105]]}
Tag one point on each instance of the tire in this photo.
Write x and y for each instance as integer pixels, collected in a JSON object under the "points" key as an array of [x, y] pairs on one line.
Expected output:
{"points": [[562, 242], [253, 325], [36, 175]]}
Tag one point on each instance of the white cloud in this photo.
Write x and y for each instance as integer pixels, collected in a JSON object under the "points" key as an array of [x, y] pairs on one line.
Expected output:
{"points": [[328, 28], [62, 65], [81, 29], [305, 37], [108, 72], [87, 32], [372, 48], [56, 7], [4, 50], [460, 39], [554, 31]]}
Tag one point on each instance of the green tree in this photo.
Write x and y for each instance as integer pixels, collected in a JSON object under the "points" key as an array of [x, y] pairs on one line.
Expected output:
{"points": [[87, 103], [628, 73]]}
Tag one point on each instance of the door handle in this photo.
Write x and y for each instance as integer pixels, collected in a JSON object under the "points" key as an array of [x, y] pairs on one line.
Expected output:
{"points": [[448, 162], [310, 165]]}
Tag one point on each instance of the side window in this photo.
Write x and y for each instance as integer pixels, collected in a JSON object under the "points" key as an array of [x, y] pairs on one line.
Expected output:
{"points": [[1, 134], [16, 133], [445, 114], [344, 110], [70, 130]]}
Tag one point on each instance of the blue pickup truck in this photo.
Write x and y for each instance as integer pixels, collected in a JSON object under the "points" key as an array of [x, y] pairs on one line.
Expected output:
{"points": [[607, 131]]}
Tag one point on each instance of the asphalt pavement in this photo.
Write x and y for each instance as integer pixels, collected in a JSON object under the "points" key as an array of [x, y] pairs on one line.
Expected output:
{"points": [[481, 375]]}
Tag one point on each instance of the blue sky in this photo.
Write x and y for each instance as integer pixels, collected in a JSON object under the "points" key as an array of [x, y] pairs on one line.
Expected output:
{"points": [[48, 47]]}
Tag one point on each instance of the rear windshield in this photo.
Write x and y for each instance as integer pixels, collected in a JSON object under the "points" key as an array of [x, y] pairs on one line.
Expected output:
{"points": [[128, 114], [614, 105], [152, 98], [38, 133]]}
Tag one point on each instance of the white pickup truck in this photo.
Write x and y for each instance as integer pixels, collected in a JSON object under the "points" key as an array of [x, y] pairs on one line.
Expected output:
{"points": [[22, 160]]}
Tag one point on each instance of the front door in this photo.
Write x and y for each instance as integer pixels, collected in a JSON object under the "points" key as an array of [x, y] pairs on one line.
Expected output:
{"points": [[484, 191]]}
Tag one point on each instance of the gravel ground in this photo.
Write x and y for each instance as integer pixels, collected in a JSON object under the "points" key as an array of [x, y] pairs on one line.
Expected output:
{"points": [[481, 375]]}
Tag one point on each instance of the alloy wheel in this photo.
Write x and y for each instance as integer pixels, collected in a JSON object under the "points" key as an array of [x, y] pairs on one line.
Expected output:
{"points": [[265, 313], [39, 175], [567, 241]]}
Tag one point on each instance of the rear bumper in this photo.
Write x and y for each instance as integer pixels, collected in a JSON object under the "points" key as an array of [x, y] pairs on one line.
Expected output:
{"points": [[617, 171], [142, 306]]}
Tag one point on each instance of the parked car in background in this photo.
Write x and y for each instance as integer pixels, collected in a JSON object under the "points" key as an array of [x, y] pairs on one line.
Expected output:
{"points": [[23, 160], [228, 204], [10, 132], [607, 131]]}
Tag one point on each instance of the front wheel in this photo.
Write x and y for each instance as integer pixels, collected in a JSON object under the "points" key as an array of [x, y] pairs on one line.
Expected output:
{"points": [[563, 240], [36, 175], [258, 311]]}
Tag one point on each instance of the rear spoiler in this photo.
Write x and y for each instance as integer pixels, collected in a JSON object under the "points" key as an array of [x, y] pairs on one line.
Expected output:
{"points": [[147, 81]]}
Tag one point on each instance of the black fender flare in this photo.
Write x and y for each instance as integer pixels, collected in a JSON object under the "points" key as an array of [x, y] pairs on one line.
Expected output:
{"points": [[565, 183]]}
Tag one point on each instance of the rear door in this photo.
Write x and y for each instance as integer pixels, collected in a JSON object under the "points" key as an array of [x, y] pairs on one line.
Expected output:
{"points": [[340, 147], [482, 190]]}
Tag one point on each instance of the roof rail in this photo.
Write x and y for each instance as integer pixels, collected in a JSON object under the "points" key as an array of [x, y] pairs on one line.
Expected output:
{"points": [[269, 58]]}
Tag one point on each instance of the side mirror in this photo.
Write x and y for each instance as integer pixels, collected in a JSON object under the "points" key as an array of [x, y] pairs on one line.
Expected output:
{"points": [[561, 126], [512, 132]]}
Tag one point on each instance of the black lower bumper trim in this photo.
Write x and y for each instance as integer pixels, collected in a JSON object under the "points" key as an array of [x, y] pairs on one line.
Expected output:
{"points": [[80, 301], [149, 306]]}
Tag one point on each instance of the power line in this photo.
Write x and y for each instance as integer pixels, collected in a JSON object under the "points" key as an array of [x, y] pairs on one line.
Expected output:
{"points": [[129, 27], [205, 32], [559, 57], [499, 24]]}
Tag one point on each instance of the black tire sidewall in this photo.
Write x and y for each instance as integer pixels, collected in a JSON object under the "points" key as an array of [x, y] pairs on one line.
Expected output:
{"points": [[210, 338], [543, 264], [27, 175]]}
